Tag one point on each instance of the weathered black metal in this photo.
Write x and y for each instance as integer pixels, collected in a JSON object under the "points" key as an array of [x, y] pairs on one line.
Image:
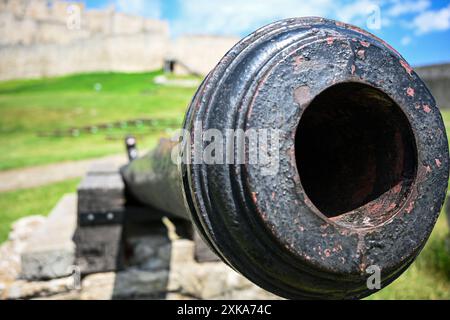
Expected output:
{"points": [[363, 161]]}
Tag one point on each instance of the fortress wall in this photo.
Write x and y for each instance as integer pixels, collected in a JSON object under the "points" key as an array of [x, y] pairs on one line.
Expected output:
{"points": [[437, 78], [35, 40], [9, 25], [39, 24], [125, 24], [199, 54], [50, 32], [39, 9], [99, 21], [140, 52]]}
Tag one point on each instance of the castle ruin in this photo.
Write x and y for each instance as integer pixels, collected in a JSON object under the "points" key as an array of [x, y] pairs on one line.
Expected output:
{"points": [[40, 38]]}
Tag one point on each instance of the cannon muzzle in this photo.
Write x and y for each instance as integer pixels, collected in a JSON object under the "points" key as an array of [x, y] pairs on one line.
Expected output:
{"points": [[312, 156]]}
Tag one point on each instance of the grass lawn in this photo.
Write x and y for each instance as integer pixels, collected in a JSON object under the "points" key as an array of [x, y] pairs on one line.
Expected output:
{"points": [[35, 201], [30, 107]]}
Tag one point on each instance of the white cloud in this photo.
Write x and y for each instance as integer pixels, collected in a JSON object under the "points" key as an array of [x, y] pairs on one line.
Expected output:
{"points": [[432, 20], [356, 11], [404, 7], [369, 14], [405, 40], [237, 16], [148, 8]]}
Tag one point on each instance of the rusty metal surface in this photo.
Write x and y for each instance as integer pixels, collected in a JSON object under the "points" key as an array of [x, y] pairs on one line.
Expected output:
{"points": [[363, 163]]}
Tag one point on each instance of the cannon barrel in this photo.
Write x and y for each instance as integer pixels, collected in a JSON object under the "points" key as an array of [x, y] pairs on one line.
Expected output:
{"points": [[347, 175]]}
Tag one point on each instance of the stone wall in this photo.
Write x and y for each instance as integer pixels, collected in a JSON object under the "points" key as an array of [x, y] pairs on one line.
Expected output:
{"points": [[198, 54], [437, 78], [41, 22], [37, 40], [117, 53]]}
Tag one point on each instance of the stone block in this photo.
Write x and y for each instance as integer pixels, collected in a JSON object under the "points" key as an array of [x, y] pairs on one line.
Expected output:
{"points": [[101, 192], [50, 252], [99, 248], [34, 289], [132, 283], [11, 250]]}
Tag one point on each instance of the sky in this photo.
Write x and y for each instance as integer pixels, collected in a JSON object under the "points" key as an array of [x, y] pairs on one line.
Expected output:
{"points": [[419, 30]]}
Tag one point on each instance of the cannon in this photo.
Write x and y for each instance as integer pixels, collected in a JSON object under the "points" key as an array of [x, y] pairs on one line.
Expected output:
{"points": [[311, 154]]}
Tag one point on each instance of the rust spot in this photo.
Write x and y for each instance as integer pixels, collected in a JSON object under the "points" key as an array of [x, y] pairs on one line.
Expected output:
{"points": [[307, 202], [410, 92], [438, 162], [410, 207], [426, 108], [391, 206], [361, 31], [327, 252], [397, 188], [374, 207], [361, 54], [330, 40], [362, 267], [298, 60], [406, 66], [302, 95], [254, 198], [364, 43]]}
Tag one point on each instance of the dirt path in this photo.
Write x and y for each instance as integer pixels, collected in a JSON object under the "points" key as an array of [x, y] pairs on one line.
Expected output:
{"points": [[42, 175]]}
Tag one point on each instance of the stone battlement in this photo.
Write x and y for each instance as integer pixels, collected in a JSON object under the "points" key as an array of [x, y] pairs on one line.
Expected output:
{"points": [[60, 22], [43, 38]]}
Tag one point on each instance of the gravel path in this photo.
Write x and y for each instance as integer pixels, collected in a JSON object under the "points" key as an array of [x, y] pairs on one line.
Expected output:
{"points": [[46, 174]]}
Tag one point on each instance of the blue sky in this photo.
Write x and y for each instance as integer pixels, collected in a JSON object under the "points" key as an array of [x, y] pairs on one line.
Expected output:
{"points": [[419, 30]]}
